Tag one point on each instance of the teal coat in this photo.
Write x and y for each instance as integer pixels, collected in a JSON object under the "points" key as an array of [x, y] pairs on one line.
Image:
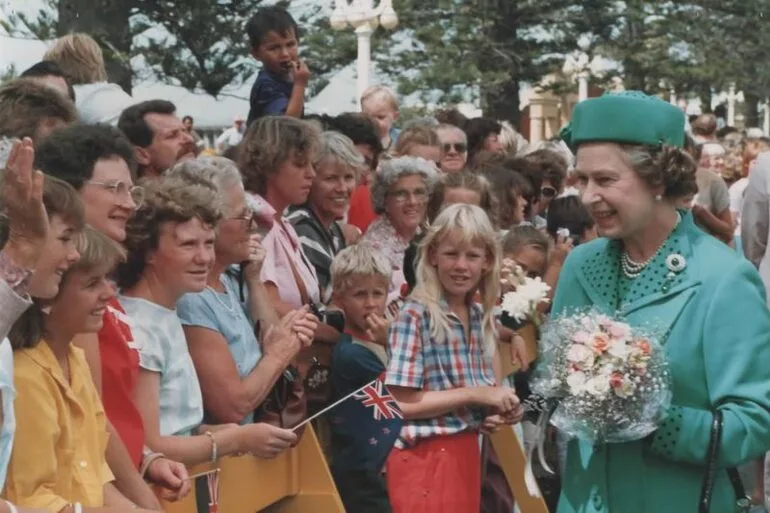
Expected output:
{"points": [[718, 348]]}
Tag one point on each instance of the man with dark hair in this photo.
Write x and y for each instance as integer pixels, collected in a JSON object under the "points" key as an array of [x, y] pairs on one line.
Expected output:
{"points": [[189, 123], [30, 109], [280, 86], [158, 135], [49, 73]]}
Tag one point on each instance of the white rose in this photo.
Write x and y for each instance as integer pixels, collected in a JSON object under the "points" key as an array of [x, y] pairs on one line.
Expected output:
{"points": [[598, 386], [618, 350], [576, 382]]}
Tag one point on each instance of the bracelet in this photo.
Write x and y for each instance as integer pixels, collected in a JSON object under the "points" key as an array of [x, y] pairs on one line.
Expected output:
{"points": [[147, 461], [213, 446], [11, 507], [76, 507]]}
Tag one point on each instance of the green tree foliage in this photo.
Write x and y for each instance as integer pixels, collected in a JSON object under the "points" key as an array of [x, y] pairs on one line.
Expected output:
{"points": [[444, 51], [448, 51], [199, 43], [205, 44]]}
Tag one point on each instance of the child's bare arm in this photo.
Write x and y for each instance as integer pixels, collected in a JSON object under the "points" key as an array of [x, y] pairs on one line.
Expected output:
{"points": [[422, 404]]}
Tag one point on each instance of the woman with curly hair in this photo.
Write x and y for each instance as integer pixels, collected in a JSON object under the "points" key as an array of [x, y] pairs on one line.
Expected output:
{"points": [[170, 245], [400, 196]]}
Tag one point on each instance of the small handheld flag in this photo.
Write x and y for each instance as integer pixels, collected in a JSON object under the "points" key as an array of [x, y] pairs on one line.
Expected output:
{"points": [[372, 393], [376, 395]]}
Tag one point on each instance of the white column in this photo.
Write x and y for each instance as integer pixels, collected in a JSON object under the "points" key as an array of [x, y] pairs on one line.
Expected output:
{"points": [[731, 106], [672, 96], [582, 86], [364, 62], [766, 124]]}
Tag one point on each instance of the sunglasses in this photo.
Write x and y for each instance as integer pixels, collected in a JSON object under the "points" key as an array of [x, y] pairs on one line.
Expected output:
{"points": [[548, 192], [458, 147]]}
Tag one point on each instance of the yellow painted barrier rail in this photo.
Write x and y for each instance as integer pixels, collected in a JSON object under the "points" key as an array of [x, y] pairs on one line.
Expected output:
{"points": [[298, 481], [513, 460]]}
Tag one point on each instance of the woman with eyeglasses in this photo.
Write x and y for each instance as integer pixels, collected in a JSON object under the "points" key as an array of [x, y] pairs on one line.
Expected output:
{"points": [[229, 326], [400, 196], [454, 148], [98, 161]]}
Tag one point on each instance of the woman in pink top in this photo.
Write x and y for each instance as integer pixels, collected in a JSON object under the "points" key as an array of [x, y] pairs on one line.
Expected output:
{"points": [[276, 158]]}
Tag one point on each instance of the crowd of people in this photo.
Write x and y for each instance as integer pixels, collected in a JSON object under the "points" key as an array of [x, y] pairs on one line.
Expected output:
{"points": [[160, 306]]}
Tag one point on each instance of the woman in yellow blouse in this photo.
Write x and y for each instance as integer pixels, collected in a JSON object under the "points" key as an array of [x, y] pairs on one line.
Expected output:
{"points": [[58, 460]]}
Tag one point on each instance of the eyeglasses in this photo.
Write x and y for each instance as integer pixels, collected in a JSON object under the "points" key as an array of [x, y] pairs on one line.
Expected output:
{"points": [[401, 196], [548, 192], [122, 190], [248, 217], [458, 147]]}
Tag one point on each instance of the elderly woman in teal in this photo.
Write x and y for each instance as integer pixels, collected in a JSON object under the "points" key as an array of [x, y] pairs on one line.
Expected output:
{"points": [[653, 265]]}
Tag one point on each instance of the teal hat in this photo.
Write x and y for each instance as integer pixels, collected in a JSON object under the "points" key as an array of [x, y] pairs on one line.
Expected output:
{"points": [[630, 117]]}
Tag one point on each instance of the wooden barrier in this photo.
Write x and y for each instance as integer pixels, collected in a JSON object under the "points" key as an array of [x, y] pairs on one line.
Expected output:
{"points": [[513, 460], [297, 481]]}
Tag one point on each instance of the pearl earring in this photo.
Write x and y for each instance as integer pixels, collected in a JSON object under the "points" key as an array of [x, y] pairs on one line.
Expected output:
{"points": [[658, 198]]}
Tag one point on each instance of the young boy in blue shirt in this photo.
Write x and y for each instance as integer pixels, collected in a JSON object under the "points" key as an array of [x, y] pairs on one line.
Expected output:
{"points": [[360, 445], [280, 86]]}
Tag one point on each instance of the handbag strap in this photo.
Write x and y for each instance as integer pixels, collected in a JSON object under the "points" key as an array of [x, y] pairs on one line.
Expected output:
{"points": [[304, 297], [743, 501]]}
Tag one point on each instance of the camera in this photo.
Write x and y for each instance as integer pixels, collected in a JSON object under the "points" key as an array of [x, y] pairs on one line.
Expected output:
{"points": [[333, 318], [564, 232]]}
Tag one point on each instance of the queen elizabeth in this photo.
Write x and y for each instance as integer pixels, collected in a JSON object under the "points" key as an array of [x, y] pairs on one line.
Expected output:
{"points": [[654, 266]]}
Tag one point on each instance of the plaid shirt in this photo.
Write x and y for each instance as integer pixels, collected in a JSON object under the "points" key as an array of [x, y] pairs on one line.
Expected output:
{"points": [[417, 360]]}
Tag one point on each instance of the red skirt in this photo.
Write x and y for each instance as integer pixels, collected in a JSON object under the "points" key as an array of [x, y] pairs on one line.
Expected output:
{"points": [[438, 475]]}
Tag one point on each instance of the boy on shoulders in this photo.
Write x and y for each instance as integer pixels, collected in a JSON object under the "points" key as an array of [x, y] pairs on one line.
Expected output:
{"points": [[280, 86]]}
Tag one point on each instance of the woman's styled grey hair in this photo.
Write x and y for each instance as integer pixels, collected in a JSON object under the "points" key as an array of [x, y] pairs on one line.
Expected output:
{"points": [[221, 172], [337, 148], [390, 171]]}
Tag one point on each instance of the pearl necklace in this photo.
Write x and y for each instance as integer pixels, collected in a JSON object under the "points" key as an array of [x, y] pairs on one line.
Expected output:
{"points": [[632, 269]]}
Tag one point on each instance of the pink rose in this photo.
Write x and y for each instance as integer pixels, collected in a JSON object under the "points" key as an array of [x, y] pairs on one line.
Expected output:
{"points": [[616, 380], [644, 346], [599, 342]]}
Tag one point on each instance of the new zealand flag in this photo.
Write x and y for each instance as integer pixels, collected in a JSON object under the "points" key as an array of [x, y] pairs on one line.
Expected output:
{"points": [[366, 424]]}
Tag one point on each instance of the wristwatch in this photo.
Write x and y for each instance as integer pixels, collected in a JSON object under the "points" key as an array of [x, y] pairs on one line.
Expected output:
{"points": [[14, 275]]}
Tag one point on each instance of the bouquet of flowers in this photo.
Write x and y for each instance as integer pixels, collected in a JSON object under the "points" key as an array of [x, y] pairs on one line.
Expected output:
{"points": [[519, 305], [609, 381]]}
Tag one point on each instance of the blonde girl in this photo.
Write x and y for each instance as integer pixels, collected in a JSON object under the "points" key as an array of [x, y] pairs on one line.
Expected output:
{"points": [[441, 350]]}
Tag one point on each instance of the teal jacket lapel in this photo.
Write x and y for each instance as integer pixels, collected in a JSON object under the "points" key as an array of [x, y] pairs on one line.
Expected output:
{"points": [[669, 290]]}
